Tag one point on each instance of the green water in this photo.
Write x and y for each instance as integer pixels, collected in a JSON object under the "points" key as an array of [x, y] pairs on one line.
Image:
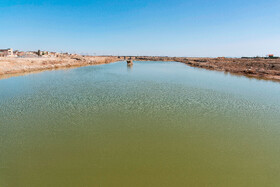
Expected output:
{"points": [[153, 124]]}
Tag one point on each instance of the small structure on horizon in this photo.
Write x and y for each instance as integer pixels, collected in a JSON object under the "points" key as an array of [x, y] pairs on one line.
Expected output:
{"points": [[270, 55], [6, 52], [129, 62]]}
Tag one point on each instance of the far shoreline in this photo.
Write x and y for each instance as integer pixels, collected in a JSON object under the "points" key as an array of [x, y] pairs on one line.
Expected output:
{"points": [[259, 68]]}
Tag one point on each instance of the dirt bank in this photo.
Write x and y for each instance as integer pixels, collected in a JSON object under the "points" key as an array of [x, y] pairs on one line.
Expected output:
{"points": [[256, 67], [13, 66]]}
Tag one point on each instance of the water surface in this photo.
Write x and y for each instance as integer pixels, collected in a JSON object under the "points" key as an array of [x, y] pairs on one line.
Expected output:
{"points": [[153, 124]]}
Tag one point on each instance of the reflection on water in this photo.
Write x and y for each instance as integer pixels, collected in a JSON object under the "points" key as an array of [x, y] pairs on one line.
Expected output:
{"points": [[162, 124], [129, 67]]}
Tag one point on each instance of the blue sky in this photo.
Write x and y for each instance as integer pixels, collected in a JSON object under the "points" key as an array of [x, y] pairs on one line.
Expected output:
{"points": [[147, 27]]}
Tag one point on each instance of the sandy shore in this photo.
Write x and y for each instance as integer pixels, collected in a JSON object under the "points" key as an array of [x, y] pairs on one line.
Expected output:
{"points": [[258, 67], [17, 66]]}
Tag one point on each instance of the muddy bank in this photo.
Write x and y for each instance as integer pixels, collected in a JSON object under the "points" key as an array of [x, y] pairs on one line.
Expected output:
{"points": [[257, 67], [12, 66]]}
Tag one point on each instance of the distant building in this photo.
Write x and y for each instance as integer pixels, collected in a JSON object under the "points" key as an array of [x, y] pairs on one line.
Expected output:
{"points": [[271, 56], [45, 53], [6, 52], [20, 53]]}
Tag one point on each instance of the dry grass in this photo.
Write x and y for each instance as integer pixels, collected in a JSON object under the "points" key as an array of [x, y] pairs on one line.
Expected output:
{"points": [[22, 65]]}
